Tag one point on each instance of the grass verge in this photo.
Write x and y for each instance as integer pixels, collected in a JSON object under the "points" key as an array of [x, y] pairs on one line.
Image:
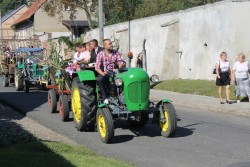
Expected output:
{"points": [[40, 154], [20, 148], [198, 87]]}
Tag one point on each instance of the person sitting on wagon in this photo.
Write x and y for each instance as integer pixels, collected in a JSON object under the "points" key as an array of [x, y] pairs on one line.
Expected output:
{"points": [[95, 49], [86, 52], [108, 55], [77, 59]]}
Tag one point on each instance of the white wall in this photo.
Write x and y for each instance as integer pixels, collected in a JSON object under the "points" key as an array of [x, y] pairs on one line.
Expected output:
{"points": [[223, 26]]}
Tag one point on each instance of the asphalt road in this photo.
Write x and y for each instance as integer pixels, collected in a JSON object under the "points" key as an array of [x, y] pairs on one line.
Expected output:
{"points": [[203, 138]]}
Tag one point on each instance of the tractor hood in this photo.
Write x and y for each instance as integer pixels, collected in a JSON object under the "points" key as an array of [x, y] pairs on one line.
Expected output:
{"points": [[136, 88], [133, 75]]}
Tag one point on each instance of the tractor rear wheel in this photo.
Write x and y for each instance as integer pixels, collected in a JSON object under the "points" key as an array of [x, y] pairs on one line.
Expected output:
{"points": [[83, 103], [64, 108], [52, 100], [5, 81], [141, 119], [18, 81], [105, 125], [168, 128]]}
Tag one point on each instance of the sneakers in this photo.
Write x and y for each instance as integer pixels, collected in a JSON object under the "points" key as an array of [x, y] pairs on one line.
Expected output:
{"points": [[238, 101], [106, 101]]}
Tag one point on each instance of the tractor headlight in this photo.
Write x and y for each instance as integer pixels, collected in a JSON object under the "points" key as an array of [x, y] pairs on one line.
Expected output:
{"points": [[154, 78], [118, 82]]}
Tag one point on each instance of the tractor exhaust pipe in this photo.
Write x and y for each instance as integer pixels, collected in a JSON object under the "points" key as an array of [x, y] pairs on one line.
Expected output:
{"points": [[144, 57]]}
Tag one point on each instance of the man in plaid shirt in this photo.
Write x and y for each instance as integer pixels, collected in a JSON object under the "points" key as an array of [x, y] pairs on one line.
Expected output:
{"points": [[108, 55]]}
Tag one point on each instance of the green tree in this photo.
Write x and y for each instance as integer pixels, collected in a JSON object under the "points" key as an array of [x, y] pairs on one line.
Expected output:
{"points": [[154, 7], [6, 5], [57, 7], [116, 11]]}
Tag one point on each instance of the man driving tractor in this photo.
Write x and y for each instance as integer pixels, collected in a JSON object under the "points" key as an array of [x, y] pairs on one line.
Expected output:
{"points": [[104, 58]]}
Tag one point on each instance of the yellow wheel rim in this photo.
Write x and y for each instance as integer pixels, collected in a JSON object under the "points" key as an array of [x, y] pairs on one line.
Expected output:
{"points": [[76, 104], [165, 126], [101, 126]]}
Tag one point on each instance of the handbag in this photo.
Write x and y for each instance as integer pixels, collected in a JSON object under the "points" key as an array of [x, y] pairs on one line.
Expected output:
{"points": [[214, 71]]}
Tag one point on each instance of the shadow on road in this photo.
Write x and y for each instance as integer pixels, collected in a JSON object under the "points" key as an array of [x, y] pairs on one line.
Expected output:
{"points": [[150, 130], [21, 148], [183, 132], [122, 139], [23, 102]]}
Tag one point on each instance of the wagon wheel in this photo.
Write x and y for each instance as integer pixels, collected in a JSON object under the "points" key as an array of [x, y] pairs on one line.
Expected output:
{"points": [[168, 128], [52, 100], [18, 80], [5, 81], [4, 68], [105, 125], [64, 108], [83, 103]]}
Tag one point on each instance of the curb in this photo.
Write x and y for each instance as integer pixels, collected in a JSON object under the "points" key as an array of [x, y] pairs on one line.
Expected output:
{"points": [[201, 102]]}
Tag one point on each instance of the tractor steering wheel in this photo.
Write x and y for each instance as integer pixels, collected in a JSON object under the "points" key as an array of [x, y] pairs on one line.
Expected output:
{"points": [[116, 64]]}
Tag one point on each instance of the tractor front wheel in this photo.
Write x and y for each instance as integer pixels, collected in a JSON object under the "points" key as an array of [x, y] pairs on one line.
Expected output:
{"points": [[52, 100], [5, 81], [18, 81], [168, 127], [84, 103], [64, 108], [105, 125]]}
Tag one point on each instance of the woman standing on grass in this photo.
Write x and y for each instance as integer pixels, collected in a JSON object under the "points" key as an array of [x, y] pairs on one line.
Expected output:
{"points": [[240, 74], [223, 77]]}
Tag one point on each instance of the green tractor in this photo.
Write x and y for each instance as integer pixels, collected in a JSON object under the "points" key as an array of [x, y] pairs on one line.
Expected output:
{"points": [[129, 99], [28, 71]]}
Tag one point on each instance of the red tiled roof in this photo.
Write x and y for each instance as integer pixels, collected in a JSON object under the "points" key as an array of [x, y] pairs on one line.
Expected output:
{"points": [[30, 12]]}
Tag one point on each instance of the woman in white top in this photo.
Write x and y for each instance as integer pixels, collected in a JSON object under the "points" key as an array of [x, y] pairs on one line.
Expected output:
{"points": [[240, 74], [79, 55], [87, 52], [223, 77]]}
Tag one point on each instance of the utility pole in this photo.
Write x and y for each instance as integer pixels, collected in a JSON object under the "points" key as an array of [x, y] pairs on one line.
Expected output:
{"points": [[101, 32]]}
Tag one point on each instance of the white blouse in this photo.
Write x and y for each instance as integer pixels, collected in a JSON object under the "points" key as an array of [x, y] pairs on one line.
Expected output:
{"points": [[241, 69], [224, 66], [78, 56]]}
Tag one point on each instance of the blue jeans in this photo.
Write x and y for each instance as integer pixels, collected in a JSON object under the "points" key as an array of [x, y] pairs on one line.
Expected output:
{"points": [[103, 82]]}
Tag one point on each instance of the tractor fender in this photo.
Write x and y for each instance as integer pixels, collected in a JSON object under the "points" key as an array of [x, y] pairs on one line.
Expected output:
{"points": [[102, 105], [20, 66], [85, 75], [163, 101], [158, 112], [166, 101]]}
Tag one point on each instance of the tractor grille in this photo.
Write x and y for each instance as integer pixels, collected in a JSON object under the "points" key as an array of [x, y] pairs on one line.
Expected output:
{"points": [[138, 92]]}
